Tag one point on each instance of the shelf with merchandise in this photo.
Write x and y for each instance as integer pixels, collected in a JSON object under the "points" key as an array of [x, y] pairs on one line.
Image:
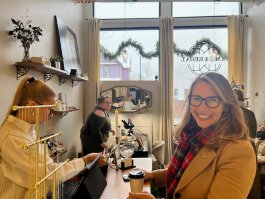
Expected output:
{"points": [[48, 71]]}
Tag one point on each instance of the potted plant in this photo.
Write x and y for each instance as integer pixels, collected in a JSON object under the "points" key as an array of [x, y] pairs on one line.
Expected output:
{"points": [[56, 61], [26, 33]]}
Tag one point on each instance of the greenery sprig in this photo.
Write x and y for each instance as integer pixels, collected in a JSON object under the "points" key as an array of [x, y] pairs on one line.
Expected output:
{"points": [[149, 55], [109, 55], [25, 32]]}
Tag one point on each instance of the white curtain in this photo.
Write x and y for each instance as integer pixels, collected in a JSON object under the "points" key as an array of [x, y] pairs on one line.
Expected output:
{"points": [[166, 78], [235, 47], [93, 67]]}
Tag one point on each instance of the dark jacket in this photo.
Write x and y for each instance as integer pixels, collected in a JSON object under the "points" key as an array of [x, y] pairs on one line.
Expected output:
{"points": [[94, 132], [251, 122]]}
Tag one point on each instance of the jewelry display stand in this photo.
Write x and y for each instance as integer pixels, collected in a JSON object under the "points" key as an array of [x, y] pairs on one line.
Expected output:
{"points": [[37, 155]]}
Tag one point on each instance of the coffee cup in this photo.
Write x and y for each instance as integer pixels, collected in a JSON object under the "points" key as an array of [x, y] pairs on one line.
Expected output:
{"points": [[136, 180]]}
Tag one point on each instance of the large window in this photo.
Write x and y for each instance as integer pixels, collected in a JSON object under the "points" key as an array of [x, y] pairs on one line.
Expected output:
{"points": [[200, 27], [196, 9], [129, 55], [210, 54]]}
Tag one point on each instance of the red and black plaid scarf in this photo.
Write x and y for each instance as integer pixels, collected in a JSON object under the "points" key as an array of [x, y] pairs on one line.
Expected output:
{"points": [[193, 139]]}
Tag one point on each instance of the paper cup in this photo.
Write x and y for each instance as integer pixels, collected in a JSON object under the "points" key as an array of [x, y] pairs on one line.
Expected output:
{"points": [[136, 180]]}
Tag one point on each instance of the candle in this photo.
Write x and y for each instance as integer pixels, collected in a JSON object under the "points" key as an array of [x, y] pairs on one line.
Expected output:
{"points": [[117, 123]]}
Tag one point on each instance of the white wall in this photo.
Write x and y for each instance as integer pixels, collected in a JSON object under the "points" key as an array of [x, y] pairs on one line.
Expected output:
{"points": [[42, 13], [255, 54]]}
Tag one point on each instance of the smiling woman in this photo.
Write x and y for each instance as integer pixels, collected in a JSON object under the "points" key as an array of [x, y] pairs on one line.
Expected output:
{"points": [[212, 127]]}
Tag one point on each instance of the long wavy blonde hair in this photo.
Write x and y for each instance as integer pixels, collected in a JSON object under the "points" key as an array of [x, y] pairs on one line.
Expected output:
{"points": [[32, 89], [231, 125]]}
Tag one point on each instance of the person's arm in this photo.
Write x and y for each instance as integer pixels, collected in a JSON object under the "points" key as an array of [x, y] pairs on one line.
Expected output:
{"points": [[158, 176], [235, 171], [73, 167], [18, 164]]}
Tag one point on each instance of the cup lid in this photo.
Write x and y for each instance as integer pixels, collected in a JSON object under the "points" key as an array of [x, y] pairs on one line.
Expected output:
{"points": [[136, 174]]}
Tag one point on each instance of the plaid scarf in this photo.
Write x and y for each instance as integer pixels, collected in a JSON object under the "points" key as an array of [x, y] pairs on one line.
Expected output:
{"points": [[193, 139]]}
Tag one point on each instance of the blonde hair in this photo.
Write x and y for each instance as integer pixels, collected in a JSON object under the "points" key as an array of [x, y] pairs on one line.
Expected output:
{"points": [[31, 89], [232, 123]]}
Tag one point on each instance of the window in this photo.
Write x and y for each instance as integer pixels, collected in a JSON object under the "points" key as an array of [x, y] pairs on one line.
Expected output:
{"points": [[116, 10], [196, 9], [130, 64], [194, 21], [176, 93], [205, 59]]}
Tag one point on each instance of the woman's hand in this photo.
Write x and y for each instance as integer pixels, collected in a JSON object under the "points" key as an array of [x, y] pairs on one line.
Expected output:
{"points": [[148, 175], [92, 156], [112, 131], [141, 195]]}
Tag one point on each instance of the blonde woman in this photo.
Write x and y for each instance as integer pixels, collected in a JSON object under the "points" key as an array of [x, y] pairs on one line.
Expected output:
{"points": [[213, 157], [16, 164]]}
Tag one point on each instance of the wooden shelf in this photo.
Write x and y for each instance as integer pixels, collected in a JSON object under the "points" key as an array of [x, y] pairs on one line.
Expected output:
{"points": [[63, 113], [48, 71]]}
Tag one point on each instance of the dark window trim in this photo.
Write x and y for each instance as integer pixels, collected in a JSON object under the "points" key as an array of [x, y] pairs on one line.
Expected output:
{"points": [[129, 28], [199, 27]]}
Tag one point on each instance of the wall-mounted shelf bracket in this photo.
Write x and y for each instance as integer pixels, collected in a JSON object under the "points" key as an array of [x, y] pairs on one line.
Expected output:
{"points": [[75, 82], [48, 76], [64, 114], [62, 80], [21, 71]]}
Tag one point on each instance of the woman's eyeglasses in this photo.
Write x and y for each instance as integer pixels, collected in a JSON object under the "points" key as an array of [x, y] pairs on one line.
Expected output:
{"points": [[210, 102]]}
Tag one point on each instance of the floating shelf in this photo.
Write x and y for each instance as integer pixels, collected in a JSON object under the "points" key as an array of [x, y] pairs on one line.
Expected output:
{"points": [[48, 71], [63, 113]]}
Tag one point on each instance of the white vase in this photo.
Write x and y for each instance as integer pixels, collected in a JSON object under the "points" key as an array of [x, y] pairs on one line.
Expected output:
{"points": [[58, 65]]}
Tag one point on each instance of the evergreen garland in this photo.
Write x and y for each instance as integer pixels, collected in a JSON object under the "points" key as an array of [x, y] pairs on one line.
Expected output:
{"points": [[148, 55]]}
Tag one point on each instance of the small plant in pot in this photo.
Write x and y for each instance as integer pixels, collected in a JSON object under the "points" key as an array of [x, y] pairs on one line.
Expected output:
{"points": [[56, 61]]}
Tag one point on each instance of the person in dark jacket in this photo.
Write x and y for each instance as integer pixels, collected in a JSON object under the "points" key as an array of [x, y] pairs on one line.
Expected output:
{"points": [[248, 114], [95, 132], [255, 191]]}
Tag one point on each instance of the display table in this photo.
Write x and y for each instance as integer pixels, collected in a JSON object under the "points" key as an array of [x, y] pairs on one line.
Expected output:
{"points": [[117, 188]]}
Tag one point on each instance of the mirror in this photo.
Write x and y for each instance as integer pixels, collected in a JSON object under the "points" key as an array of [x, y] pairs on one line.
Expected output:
{"points": [[128, 98]]}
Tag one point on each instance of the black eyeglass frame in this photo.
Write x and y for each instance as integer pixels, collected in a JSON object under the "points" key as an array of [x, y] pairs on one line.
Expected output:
{"points": [[204, 99]]}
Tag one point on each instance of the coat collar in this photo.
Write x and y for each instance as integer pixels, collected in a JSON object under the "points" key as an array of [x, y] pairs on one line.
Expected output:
{"points": [[203, 158], [24, 126]]}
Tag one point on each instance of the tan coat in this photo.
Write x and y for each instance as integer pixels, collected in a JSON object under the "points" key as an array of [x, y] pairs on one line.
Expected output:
{"points": [[225, 174]]}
